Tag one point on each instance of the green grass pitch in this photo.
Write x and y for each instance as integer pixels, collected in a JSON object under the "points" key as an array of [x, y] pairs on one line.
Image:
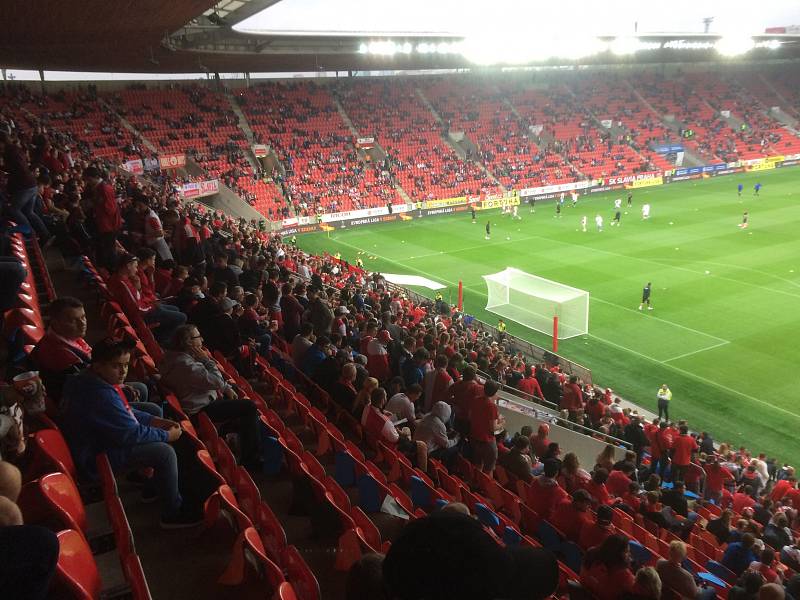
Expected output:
{"points": [[725, 329]]}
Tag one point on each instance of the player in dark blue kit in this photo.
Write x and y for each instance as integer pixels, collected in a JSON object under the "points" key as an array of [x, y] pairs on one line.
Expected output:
{"points": [[472, 210], [488, 230], [741, 187], [757, 188], [646, 297]]}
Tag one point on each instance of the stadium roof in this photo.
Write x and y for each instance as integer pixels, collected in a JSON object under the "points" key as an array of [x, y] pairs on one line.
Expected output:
{"points": [[203, 35]]}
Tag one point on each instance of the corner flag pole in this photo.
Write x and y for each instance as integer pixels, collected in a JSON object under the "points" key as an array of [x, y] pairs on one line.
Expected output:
{"points": [[555, 334], [460, 296]]}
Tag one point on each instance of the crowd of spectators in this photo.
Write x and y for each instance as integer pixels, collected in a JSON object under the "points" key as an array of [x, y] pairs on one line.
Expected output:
{"points": [[415, 376]]}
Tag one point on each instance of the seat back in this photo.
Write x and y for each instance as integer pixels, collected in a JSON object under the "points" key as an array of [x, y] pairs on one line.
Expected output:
{"points": [[53, 499], [76, 570], [305, 584], [134, 575], [285, 591], [51, 453]]}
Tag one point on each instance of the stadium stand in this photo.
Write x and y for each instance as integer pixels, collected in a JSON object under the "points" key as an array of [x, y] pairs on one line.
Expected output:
{"points": [[358, 483], [423, 163], [324, 173]]}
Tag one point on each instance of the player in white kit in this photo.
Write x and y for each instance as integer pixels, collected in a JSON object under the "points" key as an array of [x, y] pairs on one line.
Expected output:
{"points": [[583, 223], [574, 195], [598, 220], [617, 203], [645, 211]]}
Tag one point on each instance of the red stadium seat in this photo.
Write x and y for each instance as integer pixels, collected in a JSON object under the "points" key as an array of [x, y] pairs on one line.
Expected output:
{"points": [[76, 570]]}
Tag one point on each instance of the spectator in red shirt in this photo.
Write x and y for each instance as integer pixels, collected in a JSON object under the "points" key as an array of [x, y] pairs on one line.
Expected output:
{"points": [[682, 449], [436, 383], [572, 476], [781, 488], [716, 476], [619, 480], [595, 533], [606, 569], [570, 517], [743, 499], [460, 397], [764, 566], [544, 493], [378, 356], [572, 399], [540, 441], [530, 385], [125, 287], [63, 351], [665, 439], [484, 421], [107, 217], [597, 487]]}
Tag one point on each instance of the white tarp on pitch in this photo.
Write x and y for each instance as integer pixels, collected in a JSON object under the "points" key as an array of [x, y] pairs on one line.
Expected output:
{"points": [[412, 280]]}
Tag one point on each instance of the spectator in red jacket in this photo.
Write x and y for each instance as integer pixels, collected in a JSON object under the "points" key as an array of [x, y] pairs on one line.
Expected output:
{"points": [[530, 385], [716, 477], [544, 493], [460, 397], [743, 499], [619, 480], [597, 487], [605, 571], [570, 517], [572, 399], [126, 288], [378, 356], [436, 383], [107, 217], [484, 421], [682, 449], [595, 533], [540, 441]]}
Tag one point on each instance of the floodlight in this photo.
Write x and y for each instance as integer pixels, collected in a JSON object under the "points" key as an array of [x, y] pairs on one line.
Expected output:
{"points": [[731, 46]]}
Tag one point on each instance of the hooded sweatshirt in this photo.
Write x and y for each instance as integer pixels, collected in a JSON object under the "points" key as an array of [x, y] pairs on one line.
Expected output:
{"points": [[196, 383], [98, 419], [432, 429]]}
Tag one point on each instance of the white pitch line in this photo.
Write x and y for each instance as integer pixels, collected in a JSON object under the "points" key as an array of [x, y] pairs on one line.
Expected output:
{"points": [[685, 354], [610, 343], [698, 377], [703, 333]]}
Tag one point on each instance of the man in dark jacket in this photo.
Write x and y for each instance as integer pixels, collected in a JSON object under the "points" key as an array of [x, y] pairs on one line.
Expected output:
{"points": [[98, 419], [21, 187]]}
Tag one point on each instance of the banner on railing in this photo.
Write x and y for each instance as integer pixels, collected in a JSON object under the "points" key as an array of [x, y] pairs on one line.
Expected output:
{"points": [[172, 161], [640, 183], [556, 189], [198, 189], [134, 166], [629, 179], [501, 202], [260, 150], [668, 148], [607, 123], [365, 142]]}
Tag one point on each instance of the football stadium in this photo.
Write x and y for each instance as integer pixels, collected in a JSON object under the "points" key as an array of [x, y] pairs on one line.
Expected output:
{"points": [[311, 300]]}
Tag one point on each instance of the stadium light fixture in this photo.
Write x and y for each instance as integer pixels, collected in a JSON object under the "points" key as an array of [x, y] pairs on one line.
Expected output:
{"points": [[731, 46]]}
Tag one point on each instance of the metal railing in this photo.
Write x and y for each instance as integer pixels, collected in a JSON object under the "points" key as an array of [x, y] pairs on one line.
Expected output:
{"points": [[553, 415]]}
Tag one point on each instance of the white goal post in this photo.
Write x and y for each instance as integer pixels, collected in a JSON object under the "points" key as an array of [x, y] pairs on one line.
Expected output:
{"points": [[534, 301]]}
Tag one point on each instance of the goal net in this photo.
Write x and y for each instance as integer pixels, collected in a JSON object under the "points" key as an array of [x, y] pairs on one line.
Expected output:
{"points": [[534, 301]]}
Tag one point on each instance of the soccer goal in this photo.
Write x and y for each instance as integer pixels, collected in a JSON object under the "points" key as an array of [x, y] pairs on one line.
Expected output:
{"points": [[538, 303]]}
